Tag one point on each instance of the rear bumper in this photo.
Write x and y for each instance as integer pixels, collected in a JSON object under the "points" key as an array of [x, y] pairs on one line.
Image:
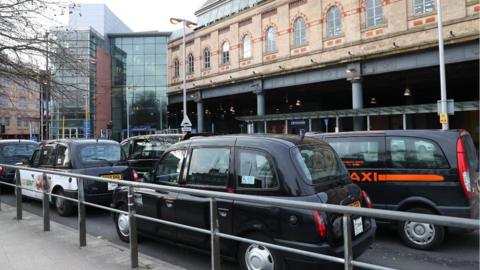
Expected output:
{"points": [[359, 245], [100, 198]]}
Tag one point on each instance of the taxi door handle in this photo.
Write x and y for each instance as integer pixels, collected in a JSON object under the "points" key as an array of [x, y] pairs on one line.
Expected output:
{"points": [[169, 203], [223, 212]]}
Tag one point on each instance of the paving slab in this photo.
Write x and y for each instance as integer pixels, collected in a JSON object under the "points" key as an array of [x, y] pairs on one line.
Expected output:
{"points": [[25, 246]]}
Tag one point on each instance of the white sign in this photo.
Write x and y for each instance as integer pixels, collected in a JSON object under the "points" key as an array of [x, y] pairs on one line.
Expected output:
{"points": [[357, 226], [186, 129], [186, 122]]}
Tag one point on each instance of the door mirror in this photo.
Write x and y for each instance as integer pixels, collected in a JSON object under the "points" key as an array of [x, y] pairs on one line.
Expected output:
{"points": [[25, 161]]}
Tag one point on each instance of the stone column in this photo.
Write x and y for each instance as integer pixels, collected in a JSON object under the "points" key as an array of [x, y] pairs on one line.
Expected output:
{"points": [[357, 103], [198, 99], [257, 88], [354, 75]]}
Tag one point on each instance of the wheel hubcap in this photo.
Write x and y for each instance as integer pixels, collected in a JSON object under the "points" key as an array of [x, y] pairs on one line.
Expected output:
{"points": [[123, 225], [59, 203], [419, 233], [258, 258]]}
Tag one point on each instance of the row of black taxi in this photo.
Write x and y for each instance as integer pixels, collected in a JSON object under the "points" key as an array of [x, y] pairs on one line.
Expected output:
{"points": [[295, 168]]}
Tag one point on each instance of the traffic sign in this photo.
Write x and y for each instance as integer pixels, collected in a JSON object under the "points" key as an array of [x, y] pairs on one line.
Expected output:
{"points": [[443, 118], [186, 129], [186, 122]]}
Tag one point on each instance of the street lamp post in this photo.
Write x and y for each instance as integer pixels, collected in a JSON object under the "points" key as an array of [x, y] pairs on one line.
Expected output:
{"points": [[443, 85], [186, 124]]}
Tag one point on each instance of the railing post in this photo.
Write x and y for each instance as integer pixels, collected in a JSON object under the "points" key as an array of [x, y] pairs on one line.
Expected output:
{"points": [[46, 204], [0, 197], [18, 193], [132, 223], [347, 242], [215, 241], [82, 230]]}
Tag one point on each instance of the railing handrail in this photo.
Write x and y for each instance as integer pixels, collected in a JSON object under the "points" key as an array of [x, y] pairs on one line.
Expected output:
{"points": [[214, 231], [465, 223]]}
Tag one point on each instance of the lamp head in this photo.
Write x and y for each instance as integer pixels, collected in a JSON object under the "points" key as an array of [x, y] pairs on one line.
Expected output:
{"points": [[175, 21]]}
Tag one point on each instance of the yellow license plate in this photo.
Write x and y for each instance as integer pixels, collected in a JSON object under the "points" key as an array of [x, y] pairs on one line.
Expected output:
{"points": [[355, 204], [113, 176]]}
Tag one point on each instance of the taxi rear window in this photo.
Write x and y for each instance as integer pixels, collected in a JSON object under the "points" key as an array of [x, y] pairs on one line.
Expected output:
{"points": [[319, 165], [100, 153]]}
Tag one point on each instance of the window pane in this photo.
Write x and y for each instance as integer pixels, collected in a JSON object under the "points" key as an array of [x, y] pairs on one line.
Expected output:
{"points": [[209, 167], [357, 152], [168, 169], [255, 171], [415, 154]]}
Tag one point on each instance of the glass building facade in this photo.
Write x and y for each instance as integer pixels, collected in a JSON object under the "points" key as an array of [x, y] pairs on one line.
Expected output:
{"points": [[139, 82], [75, 104]]}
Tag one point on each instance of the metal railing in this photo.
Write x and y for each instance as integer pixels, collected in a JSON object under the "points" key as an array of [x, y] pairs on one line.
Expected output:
{"points": [[214, 231]]}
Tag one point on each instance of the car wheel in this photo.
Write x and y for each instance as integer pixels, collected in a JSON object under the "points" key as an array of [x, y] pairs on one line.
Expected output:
{"points": [[122, 225], [257, 257], [419, 235], [64, 207]]}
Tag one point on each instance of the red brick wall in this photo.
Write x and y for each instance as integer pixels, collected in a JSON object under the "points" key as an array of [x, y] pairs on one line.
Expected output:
{"points": [[103, 86]]}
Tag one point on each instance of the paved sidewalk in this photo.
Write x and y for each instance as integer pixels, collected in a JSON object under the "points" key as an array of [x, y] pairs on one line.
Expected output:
{"points": [[24, 246]]}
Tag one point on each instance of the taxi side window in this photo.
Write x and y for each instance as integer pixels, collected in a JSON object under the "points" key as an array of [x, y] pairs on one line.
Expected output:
{"points": [[62, 156], [359, 152], [255, 170], [209, 167], [36, 158], [169, 168], [48, 156], [126, 148], [413, 153]]}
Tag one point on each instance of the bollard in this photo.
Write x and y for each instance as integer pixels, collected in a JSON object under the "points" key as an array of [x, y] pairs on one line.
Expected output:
{"points": [[46, 204], [215, 241], [347, 242], [82, 230], [18, 193], [132, 224]]}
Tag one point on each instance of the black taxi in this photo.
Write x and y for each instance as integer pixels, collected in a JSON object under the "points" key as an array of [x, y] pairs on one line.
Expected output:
{"points": [[424, 171], [288, 167], [102, 158]]}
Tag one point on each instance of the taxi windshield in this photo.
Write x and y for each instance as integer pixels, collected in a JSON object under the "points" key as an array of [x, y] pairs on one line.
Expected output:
{"points": [[320, 165]]}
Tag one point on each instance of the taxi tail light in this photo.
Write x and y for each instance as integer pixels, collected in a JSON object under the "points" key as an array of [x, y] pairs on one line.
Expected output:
{"points": [[463, 170], [135, 176], [320, 224], [367, 199], [1, 171]]}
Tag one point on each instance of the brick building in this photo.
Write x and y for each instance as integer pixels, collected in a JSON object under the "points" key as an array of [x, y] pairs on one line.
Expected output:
{"points": [[19, 109], [284, 65]]}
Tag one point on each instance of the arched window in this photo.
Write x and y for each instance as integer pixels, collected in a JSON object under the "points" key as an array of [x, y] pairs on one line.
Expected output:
{"points": [[206, 58], [225, 53], [299, 32], [334, 22], [176, 68], [374, 12], [270, 44], [246, 47], [423, 6], [191, 63]]}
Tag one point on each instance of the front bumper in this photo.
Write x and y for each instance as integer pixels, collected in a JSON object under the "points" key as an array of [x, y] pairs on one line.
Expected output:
{"points": [[359, 245]]}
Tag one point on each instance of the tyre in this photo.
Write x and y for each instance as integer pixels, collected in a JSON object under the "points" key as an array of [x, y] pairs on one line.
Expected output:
{"points": [[421, 236], [64, 207], [257, 257], [122, 225]]}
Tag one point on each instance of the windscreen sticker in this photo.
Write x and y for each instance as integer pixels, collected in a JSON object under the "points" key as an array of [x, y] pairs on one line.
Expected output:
{"points": [[248, 180]]}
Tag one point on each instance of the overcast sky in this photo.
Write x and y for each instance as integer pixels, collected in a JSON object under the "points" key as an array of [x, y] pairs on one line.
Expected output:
{"points": [[147, 15]]}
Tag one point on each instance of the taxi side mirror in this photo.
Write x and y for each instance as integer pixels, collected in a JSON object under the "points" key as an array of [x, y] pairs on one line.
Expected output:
{"points": [[147, 177]]}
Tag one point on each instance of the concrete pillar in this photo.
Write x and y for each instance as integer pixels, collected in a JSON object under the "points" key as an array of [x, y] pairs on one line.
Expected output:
{"points": [[200, 116], [260, 103], [198, 99], [260, 126], [357, 103]]}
